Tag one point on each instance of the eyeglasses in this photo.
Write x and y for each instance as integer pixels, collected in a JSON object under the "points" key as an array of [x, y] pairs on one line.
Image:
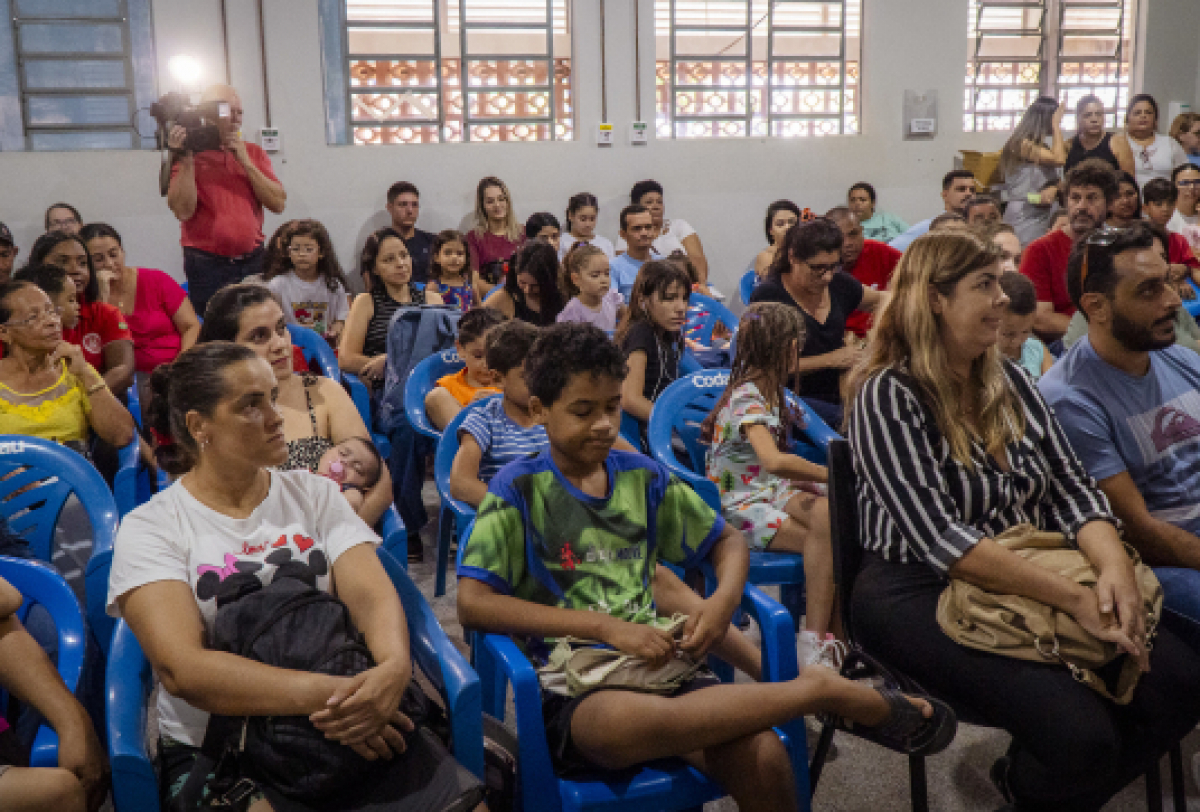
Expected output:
{"points": [[70, 221], [49, 314], [1105, 236], [821, 270], [1184, 184]]}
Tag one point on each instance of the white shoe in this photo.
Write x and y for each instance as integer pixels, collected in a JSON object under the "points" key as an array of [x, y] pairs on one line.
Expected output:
{"points": [[812, 649]]}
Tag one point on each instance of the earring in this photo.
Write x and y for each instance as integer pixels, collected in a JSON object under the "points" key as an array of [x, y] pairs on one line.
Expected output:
{"points": [[204, 443]]}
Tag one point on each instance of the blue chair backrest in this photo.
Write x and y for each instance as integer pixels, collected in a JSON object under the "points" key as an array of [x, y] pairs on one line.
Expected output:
{"points": [[423, 378], [39, 583], [443, 459], [316, 348], [747, 285], [1193, 305], [704, 313]]}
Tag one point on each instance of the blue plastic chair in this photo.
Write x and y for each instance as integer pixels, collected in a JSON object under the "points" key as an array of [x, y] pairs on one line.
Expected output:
{"points": [[39, 583], [1192, 306], [362, 401], [316, 349], [678, 413], [705, 313], [143, 491], [55, 472], [423, 378], [656, 787], [631, 427], [747, 285], [456, 515], [129, 681]]}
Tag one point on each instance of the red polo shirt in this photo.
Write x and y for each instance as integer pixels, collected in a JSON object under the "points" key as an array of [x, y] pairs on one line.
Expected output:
{"points": [[1045, 263], [228, 219], [99, 325], [1179, 251], [874, 269]]}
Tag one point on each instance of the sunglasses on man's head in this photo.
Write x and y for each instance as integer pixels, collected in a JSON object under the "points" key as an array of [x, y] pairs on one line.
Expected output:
{"points": [[1106, 236]]}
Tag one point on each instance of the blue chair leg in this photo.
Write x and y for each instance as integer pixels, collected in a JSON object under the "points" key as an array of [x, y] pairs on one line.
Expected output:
{"points": [[792, 598], [446, 528]]}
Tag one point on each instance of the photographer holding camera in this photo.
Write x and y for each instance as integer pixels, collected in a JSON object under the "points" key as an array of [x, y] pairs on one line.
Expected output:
{"points": [[218, 195]]}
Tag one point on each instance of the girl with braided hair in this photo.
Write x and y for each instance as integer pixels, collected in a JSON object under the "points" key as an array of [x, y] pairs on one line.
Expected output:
{"points": [[775, 498]]}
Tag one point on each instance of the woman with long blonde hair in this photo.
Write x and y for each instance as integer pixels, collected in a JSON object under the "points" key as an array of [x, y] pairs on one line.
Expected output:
{"points": [[953, 445], [496, 234]]}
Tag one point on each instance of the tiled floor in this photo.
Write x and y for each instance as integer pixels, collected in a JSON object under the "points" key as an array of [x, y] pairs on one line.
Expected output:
{"points": [[863, 777]]}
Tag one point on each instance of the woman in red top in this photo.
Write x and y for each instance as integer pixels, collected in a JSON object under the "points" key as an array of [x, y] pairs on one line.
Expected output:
{"points": [[102, 332], [155, 307], [496, 235]]}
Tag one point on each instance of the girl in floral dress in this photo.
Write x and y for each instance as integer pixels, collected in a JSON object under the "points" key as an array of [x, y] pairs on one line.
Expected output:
{"points": [[776, 498]]}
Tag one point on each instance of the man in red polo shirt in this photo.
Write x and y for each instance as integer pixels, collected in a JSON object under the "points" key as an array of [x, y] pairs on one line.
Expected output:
{"points": [[1089, 189], [869, 261], [218, 196]]}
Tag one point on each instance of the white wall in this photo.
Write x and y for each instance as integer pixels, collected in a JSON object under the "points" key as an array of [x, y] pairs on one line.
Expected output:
{"points": [[721, 187]]}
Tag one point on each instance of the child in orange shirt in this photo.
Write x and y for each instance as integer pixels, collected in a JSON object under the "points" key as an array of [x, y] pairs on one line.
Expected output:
{"points": [[474, 380]]}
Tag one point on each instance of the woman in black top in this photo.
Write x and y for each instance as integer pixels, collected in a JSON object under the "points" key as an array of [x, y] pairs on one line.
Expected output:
{"points": [[651, 335], [386, 268], [532, 293], [807, 274], [1091, 141], [952, 446]]}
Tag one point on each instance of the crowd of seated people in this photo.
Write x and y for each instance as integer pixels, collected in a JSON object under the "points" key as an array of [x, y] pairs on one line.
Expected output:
{"points": [[997, 374]]}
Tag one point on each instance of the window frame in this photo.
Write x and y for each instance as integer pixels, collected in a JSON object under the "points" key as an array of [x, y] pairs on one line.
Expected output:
{"points": [[137, 58], [754, 88], [1051, 58], [340, 90]]}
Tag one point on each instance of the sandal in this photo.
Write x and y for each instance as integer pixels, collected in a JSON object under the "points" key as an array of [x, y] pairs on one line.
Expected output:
{"points": [[906, 730]]}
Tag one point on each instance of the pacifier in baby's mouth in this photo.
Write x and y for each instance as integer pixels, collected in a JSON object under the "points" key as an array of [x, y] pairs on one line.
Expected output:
{"points": [[337, 471]]}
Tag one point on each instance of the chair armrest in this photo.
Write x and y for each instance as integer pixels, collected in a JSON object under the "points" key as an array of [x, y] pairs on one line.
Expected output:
{"points": [[499, 659], [96, 588], [125, 482], [394, 535], [360, 396], [779, 663], [704, 487], [128, 682]]}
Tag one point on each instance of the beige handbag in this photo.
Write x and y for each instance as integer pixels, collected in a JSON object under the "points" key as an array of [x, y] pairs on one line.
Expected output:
{"points": [[578, 666], [1023, 628]]}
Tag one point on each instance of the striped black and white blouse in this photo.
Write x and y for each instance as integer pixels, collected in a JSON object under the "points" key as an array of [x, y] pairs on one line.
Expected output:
{"points": [[917, 503]]}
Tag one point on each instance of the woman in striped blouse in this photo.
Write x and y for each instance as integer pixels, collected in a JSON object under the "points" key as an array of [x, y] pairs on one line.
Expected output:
{"points": [[952, 446]]}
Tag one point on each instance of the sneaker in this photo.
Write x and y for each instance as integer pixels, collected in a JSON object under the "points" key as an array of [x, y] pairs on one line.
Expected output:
{"points": [[814, 649]]}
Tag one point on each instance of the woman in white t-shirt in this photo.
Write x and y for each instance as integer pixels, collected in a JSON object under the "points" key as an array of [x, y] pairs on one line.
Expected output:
{"points": [[213, 411], [673, 235], [1154, 154]]}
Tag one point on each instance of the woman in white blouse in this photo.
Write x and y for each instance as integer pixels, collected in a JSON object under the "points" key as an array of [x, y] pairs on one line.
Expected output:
{"points": [[1154, 154]]}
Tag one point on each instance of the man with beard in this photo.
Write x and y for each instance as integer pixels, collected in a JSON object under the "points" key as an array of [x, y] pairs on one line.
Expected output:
{"points": [[1089, 188], [868, 261], [1127, 397]]}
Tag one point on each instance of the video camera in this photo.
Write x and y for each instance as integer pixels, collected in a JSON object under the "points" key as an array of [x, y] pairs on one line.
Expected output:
{"points": [[202, 121]]}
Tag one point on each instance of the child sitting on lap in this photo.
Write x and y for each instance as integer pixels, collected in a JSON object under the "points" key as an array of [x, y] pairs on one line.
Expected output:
{"points": [[563, 545], [355, 465]]}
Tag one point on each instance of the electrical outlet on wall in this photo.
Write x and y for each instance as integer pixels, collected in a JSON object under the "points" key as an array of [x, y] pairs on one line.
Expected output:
{"points": [[604, 135], [268, 139], [639, 133]]}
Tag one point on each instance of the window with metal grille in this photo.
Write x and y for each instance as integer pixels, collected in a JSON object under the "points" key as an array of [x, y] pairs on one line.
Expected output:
{"points": [[74, 74], [1021, 49], [426, 71], [729, 68]]}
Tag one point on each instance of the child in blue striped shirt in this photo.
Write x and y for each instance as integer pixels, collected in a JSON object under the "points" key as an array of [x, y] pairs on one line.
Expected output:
{"points": [[501, 430]]}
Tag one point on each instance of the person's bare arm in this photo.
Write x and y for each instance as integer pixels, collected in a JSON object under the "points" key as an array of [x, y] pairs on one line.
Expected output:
{"points": [[695, 251], [1123, 151], [432, 297], [707, 624], [354, 337], [344, 423], [10, 599], [873, 300], [108, 417], [1047, 359], [441, 407], [186, 324], [1056, 155], [632, 399], [762, 263], [503, 302], [181, 193], [118, 365], [464, 474], [844, 358], [1160, 543], [27, 673], [270, 193], [779, 463], [1048, 323]]}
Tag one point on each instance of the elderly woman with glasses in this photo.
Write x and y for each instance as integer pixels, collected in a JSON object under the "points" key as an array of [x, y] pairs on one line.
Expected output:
{"points": [[47, 388], [807, 275]]}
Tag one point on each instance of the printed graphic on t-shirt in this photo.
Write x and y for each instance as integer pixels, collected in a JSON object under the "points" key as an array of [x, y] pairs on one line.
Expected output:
{"points": [[312, 314], [91, 343], [1161, 430], [211, 576]]}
